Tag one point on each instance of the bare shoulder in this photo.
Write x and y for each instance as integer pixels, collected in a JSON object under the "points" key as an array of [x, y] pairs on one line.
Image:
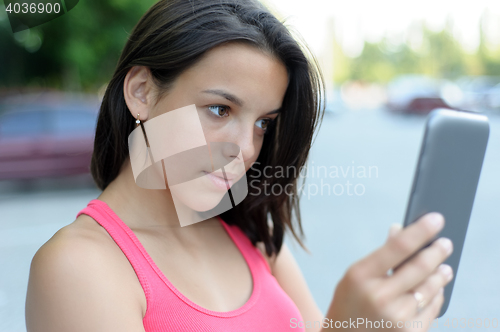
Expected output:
{"points": [[75, 284], [76, 242], [83, 232], [81, 245]]}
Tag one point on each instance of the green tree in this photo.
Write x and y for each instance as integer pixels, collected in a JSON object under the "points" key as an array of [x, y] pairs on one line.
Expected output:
{"points": [[439, 55], [77, 51]]}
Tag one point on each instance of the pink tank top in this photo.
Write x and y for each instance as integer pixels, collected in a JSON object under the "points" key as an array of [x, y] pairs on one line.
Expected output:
{"points": [[268, 309]]}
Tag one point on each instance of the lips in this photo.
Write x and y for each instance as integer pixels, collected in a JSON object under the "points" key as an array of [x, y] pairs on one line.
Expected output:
{"points": [[220, 174], [219, 180]]}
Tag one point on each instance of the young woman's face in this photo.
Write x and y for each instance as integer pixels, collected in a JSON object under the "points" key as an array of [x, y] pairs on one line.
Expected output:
{"points": [[237, 90]]}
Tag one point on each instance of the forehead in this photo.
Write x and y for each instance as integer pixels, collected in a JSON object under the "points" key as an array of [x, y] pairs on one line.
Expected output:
{"points": [[243, 69], [238, 56]]}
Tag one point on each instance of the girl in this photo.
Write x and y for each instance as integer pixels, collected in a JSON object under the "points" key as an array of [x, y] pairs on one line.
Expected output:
{"points": [[126, 264]]}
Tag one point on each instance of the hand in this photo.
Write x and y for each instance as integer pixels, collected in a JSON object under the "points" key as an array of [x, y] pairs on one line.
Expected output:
{"points": [[369, 292]]}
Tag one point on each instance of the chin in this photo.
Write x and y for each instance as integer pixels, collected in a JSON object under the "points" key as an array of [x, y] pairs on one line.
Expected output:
{"points": [[198, 196], [200, 201]]}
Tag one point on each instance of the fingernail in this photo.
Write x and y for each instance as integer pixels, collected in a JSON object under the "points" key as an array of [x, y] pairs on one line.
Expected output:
{"points": [[446, 244], [435, 220], [395, 228], [447, 271]]}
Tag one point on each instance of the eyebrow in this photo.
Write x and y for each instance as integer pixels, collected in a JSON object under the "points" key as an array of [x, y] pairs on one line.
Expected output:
{"points": [[233, 98]]}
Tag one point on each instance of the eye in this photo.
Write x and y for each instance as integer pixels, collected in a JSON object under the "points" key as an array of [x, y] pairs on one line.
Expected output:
{"points": [[263, 123], [219, 110]]}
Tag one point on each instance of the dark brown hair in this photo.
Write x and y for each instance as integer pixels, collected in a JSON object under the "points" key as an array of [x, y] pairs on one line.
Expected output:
{"points": [[171, 37]]}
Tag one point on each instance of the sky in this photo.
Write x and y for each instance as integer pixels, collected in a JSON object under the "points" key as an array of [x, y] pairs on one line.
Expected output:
{"points": [[357, 20]]}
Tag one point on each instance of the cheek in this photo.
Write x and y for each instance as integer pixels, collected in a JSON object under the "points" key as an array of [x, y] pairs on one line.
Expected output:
{"points": [[229, 131], [215, 130]]}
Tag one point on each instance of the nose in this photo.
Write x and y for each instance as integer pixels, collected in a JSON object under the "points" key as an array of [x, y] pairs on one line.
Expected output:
{"points": [[244, 139]]}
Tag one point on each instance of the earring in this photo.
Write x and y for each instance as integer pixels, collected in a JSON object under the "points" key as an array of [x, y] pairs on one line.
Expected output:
{"points": [[138, 121]]}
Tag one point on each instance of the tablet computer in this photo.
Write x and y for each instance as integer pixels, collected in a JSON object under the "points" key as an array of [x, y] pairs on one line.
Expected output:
{"points": [[446, 177]]}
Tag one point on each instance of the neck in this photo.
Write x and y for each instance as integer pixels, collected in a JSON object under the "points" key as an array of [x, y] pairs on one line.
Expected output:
{"points": [[142, 207]]}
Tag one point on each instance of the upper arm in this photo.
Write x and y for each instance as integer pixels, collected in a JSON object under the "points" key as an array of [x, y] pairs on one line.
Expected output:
{"points": [[72, 287], [287, 272]]}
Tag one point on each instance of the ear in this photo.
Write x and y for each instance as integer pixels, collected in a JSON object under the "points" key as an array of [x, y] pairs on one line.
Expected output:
{"points": [[138, 92]]}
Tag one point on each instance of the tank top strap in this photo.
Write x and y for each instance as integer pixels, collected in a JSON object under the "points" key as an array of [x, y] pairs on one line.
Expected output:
{"points": [[123, 237], [252, 254]]}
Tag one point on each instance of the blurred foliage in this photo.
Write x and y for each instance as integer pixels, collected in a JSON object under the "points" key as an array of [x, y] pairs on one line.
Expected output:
{"points": [[437, 54], [77, 51]]}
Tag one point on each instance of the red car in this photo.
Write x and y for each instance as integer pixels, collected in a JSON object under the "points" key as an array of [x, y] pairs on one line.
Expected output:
{"points": [[415, 94], [52, 135]]}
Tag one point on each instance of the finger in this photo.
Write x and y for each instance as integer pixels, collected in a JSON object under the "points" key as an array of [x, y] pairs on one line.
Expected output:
{"points": [[402, 245], [408, 313], [424, 320], [431, 286], [420, 267], [408, 305], [430, 312], [395, 229]]}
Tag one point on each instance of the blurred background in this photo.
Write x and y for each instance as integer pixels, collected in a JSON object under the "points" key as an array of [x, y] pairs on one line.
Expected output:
{"points": [[386, 64]]}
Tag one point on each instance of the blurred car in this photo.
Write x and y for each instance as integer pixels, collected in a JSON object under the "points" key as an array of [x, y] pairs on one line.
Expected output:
{"points": [[493, 97], [51, 134], [475, 91], [362, 95], [414, 94]]}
